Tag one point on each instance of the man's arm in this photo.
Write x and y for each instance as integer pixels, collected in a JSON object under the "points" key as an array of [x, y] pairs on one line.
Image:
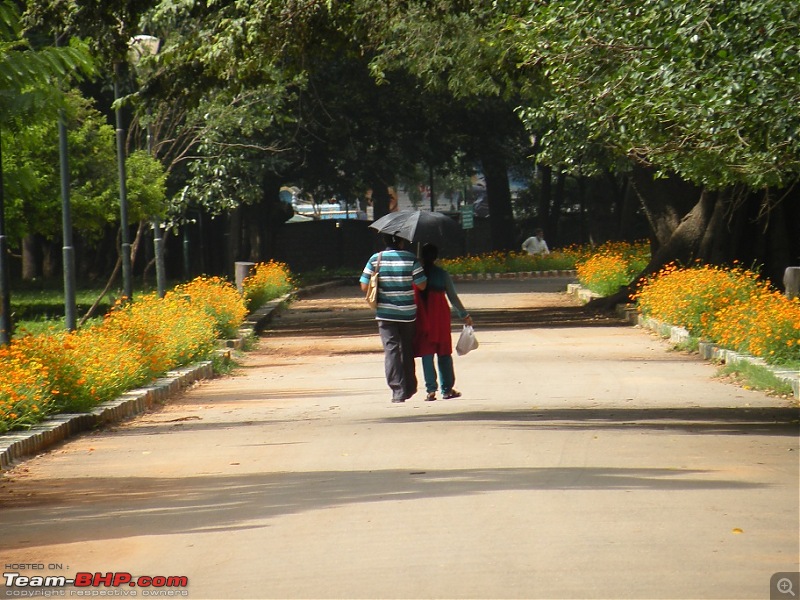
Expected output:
{"points": [[366, 274]]}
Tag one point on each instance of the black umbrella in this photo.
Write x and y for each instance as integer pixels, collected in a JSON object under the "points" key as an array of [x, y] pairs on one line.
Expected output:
{"points": [[424, 226]]}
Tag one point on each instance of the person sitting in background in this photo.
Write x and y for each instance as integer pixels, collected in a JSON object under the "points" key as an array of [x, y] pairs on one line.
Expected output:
{"points": [[536, 244]]}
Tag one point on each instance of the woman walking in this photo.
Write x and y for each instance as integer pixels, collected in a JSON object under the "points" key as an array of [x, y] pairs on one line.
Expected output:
{"points": [[433, 335]]}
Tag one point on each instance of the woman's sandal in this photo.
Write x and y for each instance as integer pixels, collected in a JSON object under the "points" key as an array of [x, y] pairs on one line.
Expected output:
{"points": [[430, 397], [454, 393]]}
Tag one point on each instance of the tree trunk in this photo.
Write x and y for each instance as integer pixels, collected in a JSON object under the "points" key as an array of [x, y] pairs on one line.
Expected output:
{"points": [[255, 230], [665, 201], [715, 244], [553, 229], [234, 228], [545, 199], [51, 259], [759, 230], [627, 210], [380, 198], [680, 240], [30, 257], [777, 228], [274, 215], [498, 194]]}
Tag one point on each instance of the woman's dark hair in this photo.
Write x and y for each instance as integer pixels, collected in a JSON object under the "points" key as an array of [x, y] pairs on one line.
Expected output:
{"points": [[428, 254]]}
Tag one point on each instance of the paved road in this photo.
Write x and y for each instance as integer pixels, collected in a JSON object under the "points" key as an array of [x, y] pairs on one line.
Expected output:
{"points": [[586, 459]]}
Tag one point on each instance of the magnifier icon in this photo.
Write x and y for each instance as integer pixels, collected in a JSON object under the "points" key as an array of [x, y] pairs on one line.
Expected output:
{"points": [[784, 586]]}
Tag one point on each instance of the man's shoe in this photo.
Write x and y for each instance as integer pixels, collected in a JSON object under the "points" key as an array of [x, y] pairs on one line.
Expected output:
{"points": [[454, 393], [430, 397], [398, 400]]}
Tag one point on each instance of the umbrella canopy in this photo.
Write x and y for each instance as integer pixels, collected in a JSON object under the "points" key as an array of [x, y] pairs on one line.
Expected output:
{"points": [[422, 226]]}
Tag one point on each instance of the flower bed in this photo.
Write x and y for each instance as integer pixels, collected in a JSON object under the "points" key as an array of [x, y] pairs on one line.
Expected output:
{"points": [[268, 281], [136, 342], [515, 262], [728, 306], [612, 266]]}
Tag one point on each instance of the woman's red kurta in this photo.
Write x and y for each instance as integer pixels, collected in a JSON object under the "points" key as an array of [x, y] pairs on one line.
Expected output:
{"points": [[433, 323]]}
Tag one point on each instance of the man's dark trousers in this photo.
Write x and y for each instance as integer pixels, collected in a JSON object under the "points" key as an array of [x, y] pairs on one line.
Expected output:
{"points": [[398, 350]]}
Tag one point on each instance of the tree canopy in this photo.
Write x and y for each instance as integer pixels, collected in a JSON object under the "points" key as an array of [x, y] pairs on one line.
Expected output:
{"points": [[33, 79], [343, 96], [706, 90]]}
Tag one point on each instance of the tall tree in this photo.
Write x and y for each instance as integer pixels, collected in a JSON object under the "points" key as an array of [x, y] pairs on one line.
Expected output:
{"points": [[461, 49], [699, 98], [30, 82], [290, 97]]}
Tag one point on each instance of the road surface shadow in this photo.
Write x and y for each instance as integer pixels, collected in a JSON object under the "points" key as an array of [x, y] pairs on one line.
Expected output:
{"points": [[783, 421], [91, 508], [301, 322], [773, 421]]}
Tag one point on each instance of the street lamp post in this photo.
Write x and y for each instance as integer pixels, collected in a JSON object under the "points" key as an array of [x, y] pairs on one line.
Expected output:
{"points": [[125, 249], [142, 46], [67, 249], [5, 298], [158, 236]]}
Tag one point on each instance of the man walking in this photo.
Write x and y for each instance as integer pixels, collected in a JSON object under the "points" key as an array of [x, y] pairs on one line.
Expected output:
{"points": [[397, 270]]}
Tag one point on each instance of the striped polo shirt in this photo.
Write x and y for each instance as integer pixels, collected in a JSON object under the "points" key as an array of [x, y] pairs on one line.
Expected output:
{"points": [[397, 270]]}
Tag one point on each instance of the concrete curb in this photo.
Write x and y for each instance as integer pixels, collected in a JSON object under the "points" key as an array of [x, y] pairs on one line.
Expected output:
{"points": [[21, 444], [713, 352], [584, 295], [18, 445], [679, 335], [519, 275]]}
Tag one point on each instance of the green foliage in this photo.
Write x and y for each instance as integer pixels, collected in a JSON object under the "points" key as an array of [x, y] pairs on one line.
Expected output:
{"points": [[455, 46], [225, 363], [705, 89], [107, 26], [241, 144], [300, 104], [31, 80], [31, 171], [756, 377], [146, 185]]}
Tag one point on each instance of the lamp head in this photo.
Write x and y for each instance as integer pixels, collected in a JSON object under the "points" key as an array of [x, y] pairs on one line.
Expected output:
{"points": [[142, 46]]}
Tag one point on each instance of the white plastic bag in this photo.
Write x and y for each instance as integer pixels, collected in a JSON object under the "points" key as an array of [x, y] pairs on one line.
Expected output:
{"points": [[466, 341]]}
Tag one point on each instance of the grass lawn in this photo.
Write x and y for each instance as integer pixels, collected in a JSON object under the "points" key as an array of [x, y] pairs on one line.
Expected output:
{"points": [[37, 307]]}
